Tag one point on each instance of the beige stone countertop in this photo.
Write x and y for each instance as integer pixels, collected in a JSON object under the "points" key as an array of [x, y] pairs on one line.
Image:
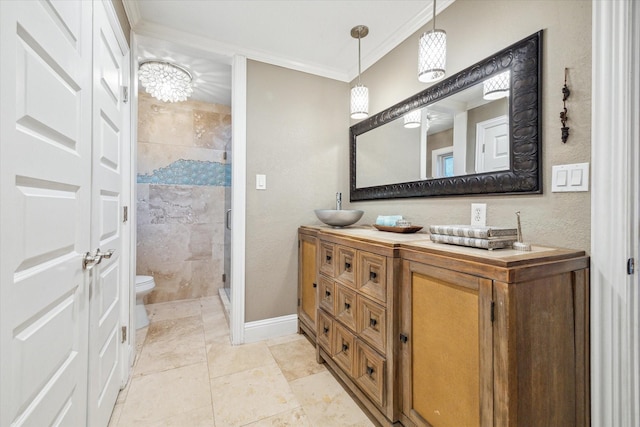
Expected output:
{"points": [[421, 242]]}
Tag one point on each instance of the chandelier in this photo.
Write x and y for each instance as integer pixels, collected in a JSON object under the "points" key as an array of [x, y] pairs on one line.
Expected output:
{"points": [[165, 81]]}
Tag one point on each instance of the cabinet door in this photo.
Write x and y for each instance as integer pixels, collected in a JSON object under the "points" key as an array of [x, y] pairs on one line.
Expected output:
{"points": [[446, 349], [307, 280]]}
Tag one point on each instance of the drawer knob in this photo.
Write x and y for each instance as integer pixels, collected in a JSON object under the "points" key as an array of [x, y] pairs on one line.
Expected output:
{"points": [[370, 370], [315, 285], [373, 275], [345, 346], [347, 306], [327, 293], [328, 258], [325, 330], [347, 266], [404, 338], [373, 322]]}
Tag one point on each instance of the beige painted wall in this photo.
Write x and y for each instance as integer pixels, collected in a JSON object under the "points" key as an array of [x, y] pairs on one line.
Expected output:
{"points": [[475, 30], [297, 135]]}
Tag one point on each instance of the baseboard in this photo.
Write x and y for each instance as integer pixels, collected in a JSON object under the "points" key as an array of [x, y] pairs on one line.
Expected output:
{"points": [[270, 328]]}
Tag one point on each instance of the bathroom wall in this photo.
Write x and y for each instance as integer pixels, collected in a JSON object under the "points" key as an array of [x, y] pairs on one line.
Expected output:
{"points": [[182, 177], [297, 133], [475, 30]]}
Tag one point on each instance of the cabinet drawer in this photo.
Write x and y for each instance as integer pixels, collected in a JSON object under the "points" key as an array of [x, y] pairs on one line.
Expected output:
{"points": [[327, 259], [372, 276], [345, 308], [325, 331], [372, 323], [343, 348], [326, 294], [346, 266], [369, 372]]}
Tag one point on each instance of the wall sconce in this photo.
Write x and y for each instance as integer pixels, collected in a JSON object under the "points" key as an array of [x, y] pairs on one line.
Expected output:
{"points": [[432, 53], [497, 86], [359, 93], [165, 81], [412, 119]]}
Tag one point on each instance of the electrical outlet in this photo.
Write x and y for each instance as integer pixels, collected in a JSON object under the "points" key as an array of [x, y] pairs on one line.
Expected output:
{"points": [[478, 214]]}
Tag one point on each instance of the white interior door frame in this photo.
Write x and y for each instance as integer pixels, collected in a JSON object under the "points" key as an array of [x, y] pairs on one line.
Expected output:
{"points": [[615, 154]]}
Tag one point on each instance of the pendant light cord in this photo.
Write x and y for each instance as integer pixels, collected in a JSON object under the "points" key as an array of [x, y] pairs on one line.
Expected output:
{"points": [[359, 68]]}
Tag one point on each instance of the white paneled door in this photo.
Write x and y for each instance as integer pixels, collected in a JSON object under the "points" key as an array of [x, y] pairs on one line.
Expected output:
{"points": [[106, 219], [60, 197]]}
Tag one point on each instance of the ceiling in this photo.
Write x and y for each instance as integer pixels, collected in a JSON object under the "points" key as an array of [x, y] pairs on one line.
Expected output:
{"points": [[306, 35]]}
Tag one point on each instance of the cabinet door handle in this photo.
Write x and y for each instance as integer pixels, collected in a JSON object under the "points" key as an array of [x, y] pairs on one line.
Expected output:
{"points": [[345, 347], [328, 258], [373, 322], [326, 330], [347, 306], [347, 266], [404, 338], [327, 294], [315, 285], [373, 275], [370, 370]]}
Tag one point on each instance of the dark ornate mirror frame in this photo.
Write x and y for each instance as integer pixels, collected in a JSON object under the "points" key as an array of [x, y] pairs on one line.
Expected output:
{"points": [[525, 176]]}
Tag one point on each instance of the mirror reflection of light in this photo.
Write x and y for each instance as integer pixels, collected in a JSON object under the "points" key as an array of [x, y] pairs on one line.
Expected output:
{"points": [[497, 87], [412, 119]]}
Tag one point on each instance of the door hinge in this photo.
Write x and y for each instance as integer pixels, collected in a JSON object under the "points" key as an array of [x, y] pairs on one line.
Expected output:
{"points": [[493, 311], [482, 148], [125, 94], [631, 266], [224, 277], [124, 334], [125, 213], [298, 302]]}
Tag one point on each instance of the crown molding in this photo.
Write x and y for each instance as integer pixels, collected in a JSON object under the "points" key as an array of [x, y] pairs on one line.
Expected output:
{"points": [[133, 12], [400, 36]]}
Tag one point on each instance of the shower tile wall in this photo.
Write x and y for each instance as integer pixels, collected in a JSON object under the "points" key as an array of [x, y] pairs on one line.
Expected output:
{"points": [[182, 181]]}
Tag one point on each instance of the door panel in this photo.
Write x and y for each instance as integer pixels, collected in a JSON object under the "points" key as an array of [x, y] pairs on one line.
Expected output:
{"points": [[45, 131], [106, 224]]}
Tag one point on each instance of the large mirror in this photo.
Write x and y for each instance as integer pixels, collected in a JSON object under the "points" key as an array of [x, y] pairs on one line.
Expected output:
{"points": [[477, 132]]}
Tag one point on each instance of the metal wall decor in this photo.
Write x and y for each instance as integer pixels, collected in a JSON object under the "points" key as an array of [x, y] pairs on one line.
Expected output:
{"points": [[563, 114]]}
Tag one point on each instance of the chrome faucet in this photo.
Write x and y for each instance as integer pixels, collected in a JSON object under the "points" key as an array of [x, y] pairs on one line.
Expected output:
{"points": [[338, 201]]}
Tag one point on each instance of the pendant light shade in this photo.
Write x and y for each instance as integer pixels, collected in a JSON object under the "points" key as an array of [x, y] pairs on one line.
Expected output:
{"points": [[359, 93], [412, 119], [359, 102], [497, 86], [432, 53]]}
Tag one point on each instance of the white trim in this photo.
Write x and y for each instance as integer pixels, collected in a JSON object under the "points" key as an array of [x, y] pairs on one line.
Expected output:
{"points": [[615, 365], [112, 16], [238, 196], [270, 328], [226, 49]]}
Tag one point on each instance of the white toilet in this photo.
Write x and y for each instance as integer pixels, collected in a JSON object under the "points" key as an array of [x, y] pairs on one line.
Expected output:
{"points": [[144, 285]]}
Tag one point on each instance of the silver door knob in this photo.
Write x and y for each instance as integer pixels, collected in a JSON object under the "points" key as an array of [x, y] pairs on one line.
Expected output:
{"points": [[90, 260]]}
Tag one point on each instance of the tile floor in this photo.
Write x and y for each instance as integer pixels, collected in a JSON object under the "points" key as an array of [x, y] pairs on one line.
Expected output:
{"points": [[187, 374]]}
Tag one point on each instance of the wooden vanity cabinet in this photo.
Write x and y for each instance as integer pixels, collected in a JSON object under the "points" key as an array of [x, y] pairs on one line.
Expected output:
{"points": [[307, 282], [435, 335], [357, 285], [494, 340]]}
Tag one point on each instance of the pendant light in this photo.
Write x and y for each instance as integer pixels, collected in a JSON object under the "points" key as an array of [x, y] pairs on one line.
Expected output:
{"points": [[432, 53], [412, 119], [359, 93], [496, 87]]}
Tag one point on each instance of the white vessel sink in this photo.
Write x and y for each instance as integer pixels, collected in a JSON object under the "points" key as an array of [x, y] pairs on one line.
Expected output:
{"points": [[339, 218]]}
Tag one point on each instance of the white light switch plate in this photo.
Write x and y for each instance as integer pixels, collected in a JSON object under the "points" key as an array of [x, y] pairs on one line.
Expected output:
{"points": [[261, 182], [568, 178], [478, 214]]}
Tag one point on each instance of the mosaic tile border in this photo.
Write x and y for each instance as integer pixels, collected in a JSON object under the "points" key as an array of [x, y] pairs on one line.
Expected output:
{"points": [[190, 172]]}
